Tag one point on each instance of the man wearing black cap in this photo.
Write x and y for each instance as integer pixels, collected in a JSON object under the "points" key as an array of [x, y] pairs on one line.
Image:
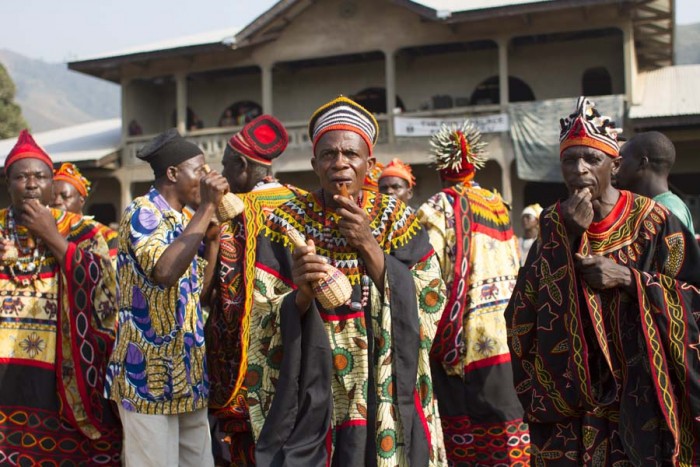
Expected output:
{"points": [[157, 372]]}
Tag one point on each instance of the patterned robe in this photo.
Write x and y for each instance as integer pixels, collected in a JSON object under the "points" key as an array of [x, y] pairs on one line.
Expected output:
{"points": [[56, 334], [227, 328], [346, 386], [470, 229], [606, 378]]}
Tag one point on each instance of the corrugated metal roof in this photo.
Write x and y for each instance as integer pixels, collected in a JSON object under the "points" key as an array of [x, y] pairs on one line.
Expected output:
{"points": [[667, 92], [468, 5], [211, 37], [79, 143]]}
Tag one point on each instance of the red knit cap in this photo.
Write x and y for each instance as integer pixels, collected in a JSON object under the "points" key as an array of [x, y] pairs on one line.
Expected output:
{"points": [[261, 140], [26, 148]]}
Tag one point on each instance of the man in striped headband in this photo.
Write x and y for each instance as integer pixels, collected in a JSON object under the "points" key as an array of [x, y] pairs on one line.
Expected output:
{"points": [[602, 332], [470, 229], [351, 384], [247, 166]]}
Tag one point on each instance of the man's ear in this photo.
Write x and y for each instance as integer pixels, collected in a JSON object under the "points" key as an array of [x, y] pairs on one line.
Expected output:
{"points": [[615, 166], [82, 201], [410, 193], [371, 162], [313, 165], [171, 173], [643, 163]]}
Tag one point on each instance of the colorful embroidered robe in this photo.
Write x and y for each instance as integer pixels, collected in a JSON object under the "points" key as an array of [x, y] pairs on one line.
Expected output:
{"points": [[606, 378], [227, 328], [345, 386], [56, 334], [470, 229]]}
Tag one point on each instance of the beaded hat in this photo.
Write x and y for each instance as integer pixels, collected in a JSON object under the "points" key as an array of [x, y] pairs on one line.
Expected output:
{"points": [[261, 140], [344, 114], [69, 173], [398, 168], [587, 127]]}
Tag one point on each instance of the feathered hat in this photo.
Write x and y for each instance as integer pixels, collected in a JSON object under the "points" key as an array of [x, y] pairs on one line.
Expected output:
{"points": [[458, 152]]}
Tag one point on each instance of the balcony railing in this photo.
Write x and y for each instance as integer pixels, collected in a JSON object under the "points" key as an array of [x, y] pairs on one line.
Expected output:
{"points": [[213, 141]]}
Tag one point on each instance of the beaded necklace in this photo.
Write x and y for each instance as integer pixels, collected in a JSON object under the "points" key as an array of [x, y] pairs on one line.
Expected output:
{"points": [[30, 258], [353, 303]]}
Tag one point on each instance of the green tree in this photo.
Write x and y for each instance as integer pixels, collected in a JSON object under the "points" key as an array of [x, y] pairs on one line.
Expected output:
{"points": [[11, 120]]}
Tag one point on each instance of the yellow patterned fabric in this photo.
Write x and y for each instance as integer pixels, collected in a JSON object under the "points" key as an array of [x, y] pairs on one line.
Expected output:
{"points": [[363, 351], [56, 332], [490, 282], [469, 227], [158, 364]]}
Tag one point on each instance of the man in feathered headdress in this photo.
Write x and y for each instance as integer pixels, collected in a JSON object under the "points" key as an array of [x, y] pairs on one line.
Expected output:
{"points": [[601, 325], [397, 180], [470, 229]]}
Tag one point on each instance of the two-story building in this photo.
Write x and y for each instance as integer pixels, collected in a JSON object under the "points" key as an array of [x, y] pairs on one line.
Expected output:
{"points": [[514, 67]]}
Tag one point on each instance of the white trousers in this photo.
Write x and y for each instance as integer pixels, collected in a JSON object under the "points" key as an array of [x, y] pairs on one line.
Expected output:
{"points": [[180, 440]]}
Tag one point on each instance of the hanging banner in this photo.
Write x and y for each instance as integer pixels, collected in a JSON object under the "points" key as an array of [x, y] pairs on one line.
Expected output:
{"points": [[427, 126]]}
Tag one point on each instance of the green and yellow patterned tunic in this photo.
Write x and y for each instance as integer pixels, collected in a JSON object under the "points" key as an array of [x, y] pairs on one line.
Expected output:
{"points": [[351, 384]]}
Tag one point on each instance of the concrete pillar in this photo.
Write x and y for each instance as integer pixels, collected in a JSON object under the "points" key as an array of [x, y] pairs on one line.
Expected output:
{"points": [[267, 103], [630, 60], [181, 102], [503, 72], [126, 118], [126, 197], [390, 85]]}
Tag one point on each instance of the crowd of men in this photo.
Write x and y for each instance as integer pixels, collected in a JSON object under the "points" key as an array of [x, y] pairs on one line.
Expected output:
{"points": [[460, 344]]}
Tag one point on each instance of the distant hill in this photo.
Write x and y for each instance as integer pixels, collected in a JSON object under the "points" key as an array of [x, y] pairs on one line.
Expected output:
{"points": [[687, 40], [51, 96]]}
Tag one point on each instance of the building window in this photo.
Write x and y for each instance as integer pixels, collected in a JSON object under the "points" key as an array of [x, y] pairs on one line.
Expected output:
{"points": [[596, 82], [240, 113], [488, 92]]}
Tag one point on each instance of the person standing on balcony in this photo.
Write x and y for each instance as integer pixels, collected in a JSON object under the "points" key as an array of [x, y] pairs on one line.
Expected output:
{"points": [[470, 229], [70, 190], [397, 180], [57, 325], [348, 385], [646, 161], [247, 163], [157, 373], [603, 323]]}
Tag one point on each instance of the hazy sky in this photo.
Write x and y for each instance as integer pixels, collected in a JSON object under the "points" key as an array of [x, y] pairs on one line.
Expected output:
{"points": [[64, 30]]}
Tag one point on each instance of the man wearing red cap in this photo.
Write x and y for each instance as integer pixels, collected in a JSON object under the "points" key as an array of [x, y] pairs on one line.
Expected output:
{"points": [[397, 180], [247, 163], [56, 324], [470, 229], [70, 190], [603, 324]]}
